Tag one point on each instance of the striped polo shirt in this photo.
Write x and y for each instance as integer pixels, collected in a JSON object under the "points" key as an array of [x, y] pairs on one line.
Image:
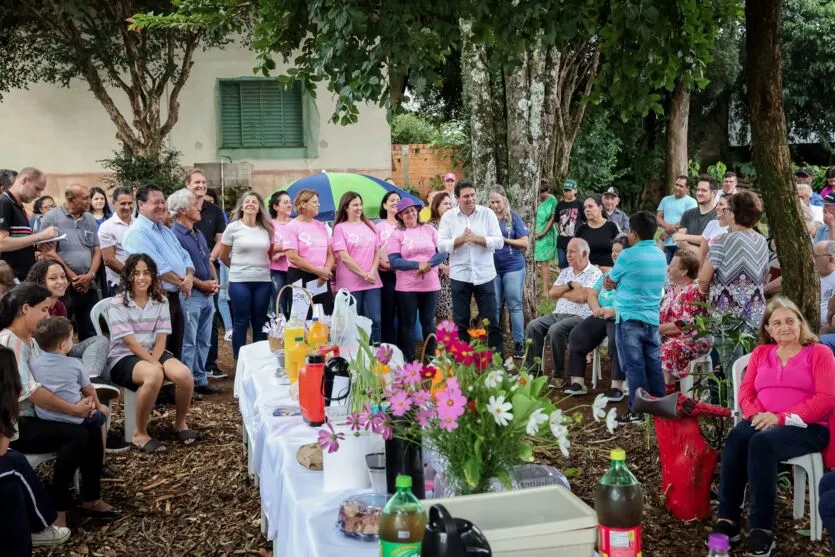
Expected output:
{"points": [[640, 272], [143, 323]]}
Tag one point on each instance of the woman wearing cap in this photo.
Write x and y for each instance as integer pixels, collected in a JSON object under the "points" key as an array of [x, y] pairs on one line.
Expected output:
{"points": [[413, 253], [449, 186], [308, 248], [545, 244]]}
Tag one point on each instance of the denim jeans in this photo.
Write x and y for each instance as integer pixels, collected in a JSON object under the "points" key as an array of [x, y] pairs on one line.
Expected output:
{"points": [[410, 304], [223, 298], [368, 305], [279, 279], [670, 252], [751, 457], [562, 258], [826, 501], [485, 299], [509, 288], [199, 315], [639, 347], [250, 300]]}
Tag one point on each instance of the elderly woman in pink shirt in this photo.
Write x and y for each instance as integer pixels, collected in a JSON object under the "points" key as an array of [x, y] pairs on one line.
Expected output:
{"points": [[308, 248], [787, 399], [413, 253], [357, 244]]}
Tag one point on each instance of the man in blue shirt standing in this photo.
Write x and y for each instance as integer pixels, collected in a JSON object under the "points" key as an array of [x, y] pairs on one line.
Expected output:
{"points": [[199, 308], [149, 235], [670, 211], [639, 274]]}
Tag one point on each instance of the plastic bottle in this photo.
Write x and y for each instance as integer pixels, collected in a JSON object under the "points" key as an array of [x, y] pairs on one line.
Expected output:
{"points": [[618, 501], [718, 545], [295, 358], [292, 330], [403, 522], [318, 334]]}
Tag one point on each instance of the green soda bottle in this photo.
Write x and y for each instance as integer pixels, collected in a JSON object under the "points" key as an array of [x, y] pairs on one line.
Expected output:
{"points": [[403, 522], [619, 503]]}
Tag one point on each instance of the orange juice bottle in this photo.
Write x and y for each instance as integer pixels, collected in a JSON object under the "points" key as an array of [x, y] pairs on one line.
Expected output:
{"points": [[295, 358], [318, 334], [292, 330]]}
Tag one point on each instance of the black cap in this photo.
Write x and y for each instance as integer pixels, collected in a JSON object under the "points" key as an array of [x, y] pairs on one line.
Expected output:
{"points": [[803, 171], [611, 191]]}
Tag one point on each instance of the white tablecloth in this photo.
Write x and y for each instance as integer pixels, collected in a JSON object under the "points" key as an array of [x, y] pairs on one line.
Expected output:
{"points": [[301, 518]]}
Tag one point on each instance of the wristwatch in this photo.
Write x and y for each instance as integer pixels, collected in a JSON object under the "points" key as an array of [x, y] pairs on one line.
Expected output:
{"points": [[570, 285]]}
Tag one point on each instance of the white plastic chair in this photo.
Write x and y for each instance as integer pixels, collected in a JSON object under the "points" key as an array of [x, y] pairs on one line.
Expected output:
{"points": [[596, 368], [807, 469], [36, 460], [685, 384], [99, 310]]}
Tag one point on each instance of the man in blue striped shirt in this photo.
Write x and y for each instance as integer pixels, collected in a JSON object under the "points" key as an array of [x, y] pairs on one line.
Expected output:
{"points": [[149, 235], [639, 275]]}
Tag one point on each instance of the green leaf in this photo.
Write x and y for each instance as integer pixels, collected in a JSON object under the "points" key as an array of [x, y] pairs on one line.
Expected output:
{"points": [[472, 471], [571, 472], [526, 452], [522, 407]]}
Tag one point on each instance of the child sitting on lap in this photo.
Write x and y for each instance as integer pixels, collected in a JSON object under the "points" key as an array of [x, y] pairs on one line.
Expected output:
{"points": [[64, 376]]}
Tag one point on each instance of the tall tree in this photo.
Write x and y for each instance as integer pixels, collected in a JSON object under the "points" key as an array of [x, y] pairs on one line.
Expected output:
{"points": [[770, 149], [57, 42]]}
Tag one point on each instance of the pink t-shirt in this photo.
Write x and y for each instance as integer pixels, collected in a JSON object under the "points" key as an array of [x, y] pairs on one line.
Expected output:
{"points": [[310, 239], [385, 230], [361, 243], [416, 244], [279, 232]]}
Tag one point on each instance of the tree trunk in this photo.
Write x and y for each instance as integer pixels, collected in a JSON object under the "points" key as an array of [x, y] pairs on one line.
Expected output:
{"points": [[677, 120], [771, 157]]}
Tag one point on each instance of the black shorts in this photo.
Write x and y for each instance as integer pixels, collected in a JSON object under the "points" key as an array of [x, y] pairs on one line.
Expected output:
{"points": [[122, 371]]}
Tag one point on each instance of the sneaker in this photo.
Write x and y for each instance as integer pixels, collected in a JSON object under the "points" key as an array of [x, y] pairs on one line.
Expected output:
{"points": [[51, 537], [760, 544], [227, 336], [215, 374], [116, 445], [519, 350], [614, 395], [630, 418], [576, 389], [108, 472], [207, 390], [728, 529]]}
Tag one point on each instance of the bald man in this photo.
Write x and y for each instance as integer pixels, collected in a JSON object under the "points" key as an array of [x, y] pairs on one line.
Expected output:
{"points": [[16, 238], [79, 252]]}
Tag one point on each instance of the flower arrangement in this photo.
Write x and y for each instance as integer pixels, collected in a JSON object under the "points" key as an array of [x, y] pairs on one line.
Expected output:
{"points": [[476, 412], [274, 327]]}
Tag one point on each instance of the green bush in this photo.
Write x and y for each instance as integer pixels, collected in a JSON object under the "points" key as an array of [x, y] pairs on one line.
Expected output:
{"points": [[410, 128], [132, 170]]}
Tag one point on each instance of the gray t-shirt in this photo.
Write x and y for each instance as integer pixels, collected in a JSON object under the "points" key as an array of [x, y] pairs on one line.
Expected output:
{"points": [[64, 377], [82, 236], [695, 222]]}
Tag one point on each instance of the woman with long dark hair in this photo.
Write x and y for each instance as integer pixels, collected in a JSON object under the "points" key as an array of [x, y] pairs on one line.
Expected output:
{"points": [[357, 245], [140, 323], [441, 203], [388, 297], [308, 248], [78, 446], [40, 207], [99, 207], [281, 207], [598, 232]]}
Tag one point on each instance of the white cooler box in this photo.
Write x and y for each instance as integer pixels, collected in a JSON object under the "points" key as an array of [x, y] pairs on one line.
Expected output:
{"points": [[536, 522]]}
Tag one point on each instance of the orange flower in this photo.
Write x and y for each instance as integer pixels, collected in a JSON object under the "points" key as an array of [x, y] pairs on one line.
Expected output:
{"points": [[382, 369], [439, 381], [477, 333]]}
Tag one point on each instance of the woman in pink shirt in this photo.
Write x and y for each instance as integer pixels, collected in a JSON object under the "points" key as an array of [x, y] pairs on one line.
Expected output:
{"points": [[787, 399], [281, 207], [388, 297], [308, 248], [357, 247], [413, 253]]}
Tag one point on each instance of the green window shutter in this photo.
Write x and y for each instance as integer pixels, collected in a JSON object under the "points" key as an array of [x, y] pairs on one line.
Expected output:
{"points": [[260, 114]]}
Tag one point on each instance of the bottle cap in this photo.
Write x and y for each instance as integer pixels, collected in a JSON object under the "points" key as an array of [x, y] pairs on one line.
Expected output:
{"points": [[718, 541], [299, 339], [403, 481], [618, 454]]}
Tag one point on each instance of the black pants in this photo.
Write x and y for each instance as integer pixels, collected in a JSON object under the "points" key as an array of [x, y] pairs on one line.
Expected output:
{"points": [[325, 298], [751, 457], [587, 336], [78, 446], [211, 358], [388, 308], [174, 344], [485, 299], [24, 505], [79, 306], [410, 306]]}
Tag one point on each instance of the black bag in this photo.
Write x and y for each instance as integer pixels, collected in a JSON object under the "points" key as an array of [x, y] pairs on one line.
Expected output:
{"points": [[446, 536]]}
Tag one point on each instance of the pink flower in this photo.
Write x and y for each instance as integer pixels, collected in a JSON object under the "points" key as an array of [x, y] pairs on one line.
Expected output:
{"points": [[365, 417], [410, 373], [452, 385], [462, 352], [424, 416], [428, 372], [421, 398], [353, 420], [382, 425], [330, 440], [450, 403], [448, 423], [384, 354], [446, 332], [400, 403]]}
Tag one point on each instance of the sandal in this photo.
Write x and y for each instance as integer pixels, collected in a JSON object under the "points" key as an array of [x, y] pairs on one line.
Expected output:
{"points": [[151, 446], [188, 437]]}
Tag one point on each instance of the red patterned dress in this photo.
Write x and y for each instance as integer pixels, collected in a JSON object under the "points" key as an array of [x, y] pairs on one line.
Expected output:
{"points": [[681, 306]]}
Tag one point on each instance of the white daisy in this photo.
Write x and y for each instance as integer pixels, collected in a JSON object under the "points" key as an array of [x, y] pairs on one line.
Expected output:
{"points": [[564, 445], [500, 410], [537, 418], [508, 364], [494, 379], [559, 431], [598, 408], [611, 420]]}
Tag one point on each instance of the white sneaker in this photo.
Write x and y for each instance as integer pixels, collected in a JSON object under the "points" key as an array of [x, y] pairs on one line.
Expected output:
{"points": [[228, 336], [52, 536]]}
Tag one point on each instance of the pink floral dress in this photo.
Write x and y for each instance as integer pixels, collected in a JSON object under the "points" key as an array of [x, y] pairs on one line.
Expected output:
{"points": [[678, 350]]}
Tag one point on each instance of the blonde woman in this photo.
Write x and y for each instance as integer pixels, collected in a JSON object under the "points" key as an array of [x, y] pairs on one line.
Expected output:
{"points": [[245, 249], [308, 248]]}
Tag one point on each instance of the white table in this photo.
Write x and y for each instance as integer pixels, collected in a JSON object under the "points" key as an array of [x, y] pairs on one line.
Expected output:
{"points": [[297, 515]]}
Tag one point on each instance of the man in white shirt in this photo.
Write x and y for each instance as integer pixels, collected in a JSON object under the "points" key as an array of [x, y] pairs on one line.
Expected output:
{"points": [[112, 233], [569, 290], [729, 182], [825, 266], [470, 234]]}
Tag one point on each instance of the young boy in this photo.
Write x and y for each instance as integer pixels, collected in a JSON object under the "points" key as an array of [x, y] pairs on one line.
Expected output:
{"points": [[65, 377]]}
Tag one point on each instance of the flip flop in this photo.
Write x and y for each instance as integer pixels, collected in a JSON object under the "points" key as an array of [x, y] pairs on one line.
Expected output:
{"points": [[150, 447], [187, 435]]}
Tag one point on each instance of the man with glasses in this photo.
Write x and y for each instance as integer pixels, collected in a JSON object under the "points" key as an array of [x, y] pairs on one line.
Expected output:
{"points": [[669, 214], [729, 183]]}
